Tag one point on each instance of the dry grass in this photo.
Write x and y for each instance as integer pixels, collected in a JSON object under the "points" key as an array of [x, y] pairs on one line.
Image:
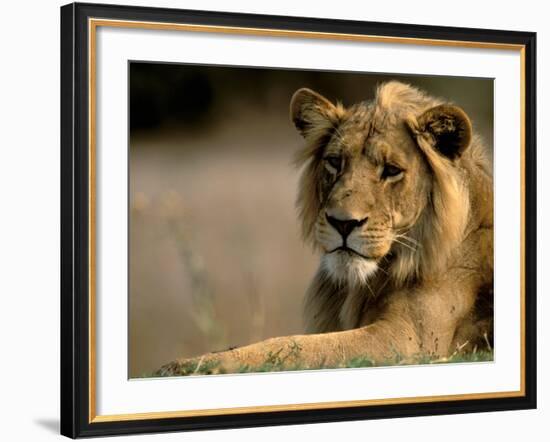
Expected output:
{"points": [[272, 364]]}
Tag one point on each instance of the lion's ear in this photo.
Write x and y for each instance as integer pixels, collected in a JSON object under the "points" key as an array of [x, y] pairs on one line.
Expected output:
{"points": [[313, 114], [447, 128]]}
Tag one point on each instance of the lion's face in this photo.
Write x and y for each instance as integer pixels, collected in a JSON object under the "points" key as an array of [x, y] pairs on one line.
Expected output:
{"points": [[372, 189], [368, 182]]}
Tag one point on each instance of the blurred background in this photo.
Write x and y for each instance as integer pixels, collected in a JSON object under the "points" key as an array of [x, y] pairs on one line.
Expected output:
{"points": [[216, 258]]}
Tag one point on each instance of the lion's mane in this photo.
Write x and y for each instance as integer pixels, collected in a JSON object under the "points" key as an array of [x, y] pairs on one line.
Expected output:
{"points": [[460, 201]]}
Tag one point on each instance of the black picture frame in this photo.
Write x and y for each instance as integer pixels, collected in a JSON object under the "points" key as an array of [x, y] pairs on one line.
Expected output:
{"points": [[75, 219]]}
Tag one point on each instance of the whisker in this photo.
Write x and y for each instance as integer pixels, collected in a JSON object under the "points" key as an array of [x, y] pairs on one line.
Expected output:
{"points": [[413, 241], [405, 245], [404, 235], [409, 238], [370, 290]]}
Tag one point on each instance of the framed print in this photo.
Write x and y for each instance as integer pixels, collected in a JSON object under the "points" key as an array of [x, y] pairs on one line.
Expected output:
{"points": [[278, 220]]}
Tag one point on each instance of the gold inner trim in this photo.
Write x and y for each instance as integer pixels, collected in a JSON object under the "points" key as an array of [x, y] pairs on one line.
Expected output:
{"points": [[92, 220], [92, 28], [522, 219]]}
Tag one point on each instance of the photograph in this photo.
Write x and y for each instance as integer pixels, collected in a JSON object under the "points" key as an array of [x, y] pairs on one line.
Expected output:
{"points": [[284, 219]]}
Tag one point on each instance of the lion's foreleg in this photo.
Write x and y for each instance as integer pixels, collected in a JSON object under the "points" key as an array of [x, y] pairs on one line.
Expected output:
{"points": [[374, 342]]}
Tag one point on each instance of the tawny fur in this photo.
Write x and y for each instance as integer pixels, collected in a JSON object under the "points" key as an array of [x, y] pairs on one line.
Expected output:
{"points": [[458, 198]]}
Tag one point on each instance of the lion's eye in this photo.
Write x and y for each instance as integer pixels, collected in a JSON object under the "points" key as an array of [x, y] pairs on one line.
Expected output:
{"points": [[333, 163], [391, 171]]}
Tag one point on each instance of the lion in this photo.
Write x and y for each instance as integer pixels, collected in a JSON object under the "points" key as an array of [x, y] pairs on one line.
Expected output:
{"points": [[396, 194]]}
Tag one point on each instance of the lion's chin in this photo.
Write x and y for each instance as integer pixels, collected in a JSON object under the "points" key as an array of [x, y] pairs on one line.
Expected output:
{"points": [[343, 267]]}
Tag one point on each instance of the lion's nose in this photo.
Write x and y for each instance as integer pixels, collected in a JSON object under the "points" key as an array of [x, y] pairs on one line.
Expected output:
{"points": [[345, 226]]}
